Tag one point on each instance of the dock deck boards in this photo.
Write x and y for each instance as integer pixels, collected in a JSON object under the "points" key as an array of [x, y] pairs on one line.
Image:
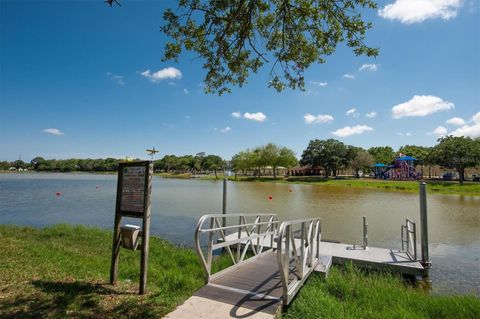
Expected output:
{"points": [[372, 257], [254, 284]]}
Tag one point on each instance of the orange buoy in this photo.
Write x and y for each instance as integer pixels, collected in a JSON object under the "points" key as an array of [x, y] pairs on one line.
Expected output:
{"points": [[290, 190], [58, 193], [270, 197]]}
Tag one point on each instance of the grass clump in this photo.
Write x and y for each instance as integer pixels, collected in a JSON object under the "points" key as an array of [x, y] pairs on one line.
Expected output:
{"points": [[352, 293]]}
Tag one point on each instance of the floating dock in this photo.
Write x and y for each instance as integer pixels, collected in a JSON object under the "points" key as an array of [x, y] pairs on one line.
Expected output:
{"points": [[272, 261], [375, 258]]}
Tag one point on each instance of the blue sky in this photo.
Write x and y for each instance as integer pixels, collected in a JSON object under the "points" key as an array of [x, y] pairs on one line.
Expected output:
{"points": [[74, 83]]}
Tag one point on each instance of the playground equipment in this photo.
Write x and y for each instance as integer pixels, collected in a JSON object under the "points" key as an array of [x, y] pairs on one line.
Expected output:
{"points": [[402, 169]]}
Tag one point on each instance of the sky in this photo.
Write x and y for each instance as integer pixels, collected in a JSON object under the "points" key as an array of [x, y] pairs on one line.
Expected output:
{"points": [[79, 79]]}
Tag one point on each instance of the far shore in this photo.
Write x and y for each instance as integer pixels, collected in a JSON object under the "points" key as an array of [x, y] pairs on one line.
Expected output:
{"points": [[434, 186]]}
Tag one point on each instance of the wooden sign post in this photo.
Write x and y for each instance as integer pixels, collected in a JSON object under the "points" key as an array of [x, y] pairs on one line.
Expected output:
{"points": [[134, 187]]}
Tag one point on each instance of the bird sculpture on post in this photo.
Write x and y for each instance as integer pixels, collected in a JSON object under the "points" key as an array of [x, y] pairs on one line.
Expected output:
{"points": [[152, 152]]}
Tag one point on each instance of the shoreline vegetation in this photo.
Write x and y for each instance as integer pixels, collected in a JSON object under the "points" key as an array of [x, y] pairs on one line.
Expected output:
{"points": [[435, 186], [63, 271]]}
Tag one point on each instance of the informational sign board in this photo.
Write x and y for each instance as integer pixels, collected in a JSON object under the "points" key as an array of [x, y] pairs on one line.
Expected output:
{"points": [[134, 187], [132, 196]]}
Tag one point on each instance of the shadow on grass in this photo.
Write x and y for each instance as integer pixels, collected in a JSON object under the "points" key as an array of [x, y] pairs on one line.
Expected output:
{"points": [[77, 299]]}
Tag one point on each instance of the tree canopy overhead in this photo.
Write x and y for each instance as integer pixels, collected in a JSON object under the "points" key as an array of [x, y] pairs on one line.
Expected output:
{"points": [[237, 37]]}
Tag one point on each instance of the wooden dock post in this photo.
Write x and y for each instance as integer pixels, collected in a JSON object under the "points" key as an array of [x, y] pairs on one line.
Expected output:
{"points": [[134, 188], [426, 263]]}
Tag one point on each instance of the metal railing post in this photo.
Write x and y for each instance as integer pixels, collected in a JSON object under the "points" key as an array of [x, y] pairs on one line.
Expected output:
{"points": [[414, 241], [224, 202], [424, 232], [365, 233]]}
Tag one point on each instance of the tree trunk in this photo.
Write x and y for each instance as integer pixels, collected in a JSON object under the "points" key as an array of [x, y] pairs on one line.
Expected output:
{"points": [[461, 173], [274, 172], [216, 177]]}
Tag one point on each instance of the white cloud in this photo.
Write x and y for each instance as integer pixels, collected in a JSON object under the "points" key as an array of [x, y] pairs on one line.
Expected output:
{"points": [[456, 121], [352, 112], [163, 74], [471, 130], [226, 129], [321, 84], [186, 91], [237, 115], [404, 134], [259, 116], [440, 131], [352, 130], [371, 115], [53, 131], [349, 76], [369, 67], [116, 78], [476, 118], [421, 105], [412, 11], [320, 118]]}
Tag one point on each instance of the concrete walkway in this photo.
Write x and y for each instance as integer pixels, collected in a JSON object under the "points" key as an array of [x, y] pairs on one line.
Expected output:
{"points": [[203, 308]]}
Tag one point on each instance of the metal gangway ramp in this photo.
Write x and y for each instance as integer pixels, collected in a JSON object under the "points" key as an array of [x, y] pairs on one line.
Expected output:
{"points": [[270, 261]]}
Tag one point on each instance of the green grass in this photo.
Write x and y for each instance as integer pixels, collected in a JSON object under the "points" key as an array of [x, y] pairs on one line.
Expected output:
{"points": [[440, 187], [175, 175], [63, 271], [434, 186], [351, 293]]}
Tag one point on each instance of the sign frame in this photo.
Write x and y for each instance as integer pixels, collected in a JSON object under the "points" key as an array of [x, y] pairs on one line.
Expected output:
{"points": [[145, 215]]}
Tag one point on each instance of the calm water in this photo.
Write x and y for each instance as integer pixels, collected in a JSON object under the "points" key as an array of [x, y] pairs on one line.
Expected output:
{"points": [[454, 221]]}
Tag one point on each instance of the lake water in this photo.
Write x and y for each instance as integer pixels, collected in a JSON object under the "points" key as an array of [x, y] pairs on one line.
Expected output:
{"points": [[89, 199]]}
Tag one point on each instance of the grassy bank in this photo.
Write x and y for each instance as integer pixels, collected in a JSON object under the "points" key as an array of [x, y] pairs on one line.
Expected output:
{"points": [[350, 293], [62, 271], [434, 186]]}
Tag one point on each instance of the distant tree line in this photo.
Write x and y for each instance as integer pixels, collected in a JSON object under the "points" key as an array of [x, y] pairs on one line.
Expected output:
{"points": [[261, 157], [330, 155], [66, 165], [451, 152], [199, 163]]}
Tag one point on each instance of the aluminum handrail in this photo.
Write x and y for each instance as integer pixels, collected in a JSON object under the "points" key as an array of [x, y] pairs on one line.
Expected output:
{"points": [[306, 257], [409, 239], [211, 225]]}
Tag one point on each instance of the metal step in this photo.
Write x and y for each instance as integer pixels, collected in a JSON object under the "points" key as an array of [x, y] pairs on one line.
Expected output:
{"points": [[324, 264]]}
